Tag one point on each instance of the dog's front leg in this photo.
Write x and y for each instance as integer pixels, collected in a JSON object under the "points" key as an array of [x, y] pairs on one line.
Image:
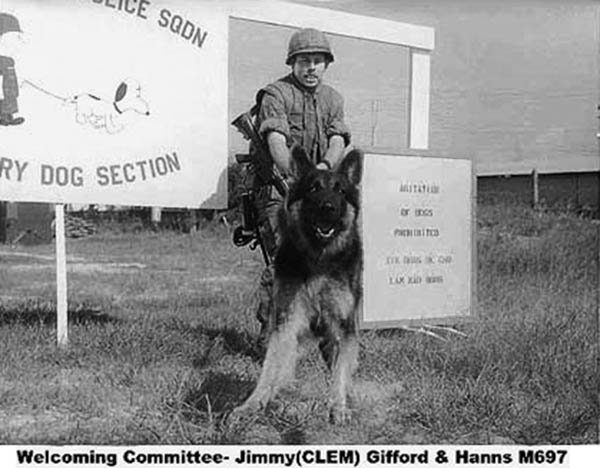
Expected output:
{"points": [[344, 365], [339, 348], [281, 357], [80, 117], [113, 125]]}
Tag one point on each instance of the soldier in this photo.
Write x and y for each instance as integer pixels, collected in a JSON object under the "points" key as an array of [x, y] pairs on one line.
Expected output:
{"points": [[298, 109], [10, 34]]}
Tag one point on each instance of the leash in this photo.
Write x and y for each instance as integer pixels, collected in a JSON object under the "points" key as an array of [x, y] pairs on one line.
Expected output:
{"points": [[46, 92]]}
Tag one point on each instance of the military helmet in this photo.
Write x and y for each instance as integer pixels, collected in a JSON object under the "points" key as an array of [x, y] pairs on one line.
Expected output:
{"points": [[9, 23], [307, 41]]}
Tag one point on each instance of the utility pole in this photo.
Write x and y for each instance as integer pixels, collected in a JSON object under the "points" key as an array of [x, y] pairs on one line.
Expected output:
{"points": [[374, 116], [598, 185], [536, 190]]}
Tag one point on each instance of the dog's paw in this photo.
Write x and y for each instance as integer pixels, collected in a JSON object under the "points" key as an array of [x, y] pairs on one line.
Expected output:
{"points": [[247, 408], [340, 415], [243, 413], [255, 403]]}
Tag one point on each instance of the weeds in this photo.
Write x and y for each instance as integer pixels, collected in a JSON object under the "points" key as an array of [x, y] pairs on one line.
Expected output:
{"points": [[160, 354]]}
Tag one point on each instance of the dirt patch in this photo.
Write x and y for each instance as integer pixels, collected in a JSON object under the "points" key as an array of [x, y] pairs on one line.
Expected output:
{"points": [[83, 267], [21, 257], [24, 261], [94, 268], [223, 279]]}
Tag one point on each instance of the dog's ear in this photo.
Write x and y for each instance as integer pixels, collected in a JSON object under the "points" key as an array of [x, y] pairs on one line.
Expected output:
{"points": [[351, 166], [121, 92], [299, 164]]}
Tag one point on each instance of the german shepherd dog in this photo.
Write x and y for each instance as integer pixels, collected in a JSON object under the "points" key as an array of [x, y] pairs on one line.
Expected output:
{"points": [[318, 279]]}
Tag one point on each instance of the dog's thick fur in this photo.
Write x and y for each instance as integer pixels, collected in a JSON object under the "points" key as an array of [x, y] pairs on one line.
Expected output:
{"points": [[317, 285]]}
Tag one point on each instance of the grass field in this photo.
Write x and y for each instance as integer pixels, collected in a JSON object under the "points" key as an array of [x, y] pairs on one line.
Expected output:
{"points": [[162, 347]]}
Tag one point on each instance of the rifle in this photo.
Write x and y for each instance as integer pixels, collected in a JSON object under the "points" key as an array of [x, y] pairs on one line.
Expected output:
{"points": [[251, 232], [261, 158]]}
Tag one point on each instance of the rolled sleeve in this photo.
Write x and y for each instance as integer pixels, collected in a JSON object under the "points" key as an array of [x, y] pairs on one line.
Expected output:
{"points": [[272, 116], [338, 127], [336, 124]]}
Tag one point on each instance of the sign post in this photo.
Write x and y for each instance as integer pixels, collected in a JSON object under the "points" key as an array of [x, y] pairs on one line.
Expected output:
{"points": [[61, 277]]}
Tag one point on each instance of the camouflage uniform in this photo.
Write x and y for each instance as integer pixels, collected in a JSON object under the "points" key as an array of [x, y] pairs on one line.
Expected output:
{"points": [[308, 118]]}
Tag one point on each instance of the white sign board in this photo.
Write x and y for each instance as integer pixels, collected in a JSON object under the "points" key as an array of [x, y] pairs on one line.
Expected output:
{"points": [[417, 234], [124, 102]]}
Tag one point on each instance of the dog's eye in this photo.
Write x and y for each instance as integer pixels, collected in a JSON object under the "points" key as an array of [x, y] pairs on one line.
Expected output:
{"points": [[337, 187]]}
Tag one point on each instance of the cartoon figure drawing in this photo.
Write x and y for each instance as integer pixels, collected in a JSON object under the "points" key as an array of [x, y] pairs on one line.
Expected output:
{"points": [[102, 113], [10, 41], [89, 109]]}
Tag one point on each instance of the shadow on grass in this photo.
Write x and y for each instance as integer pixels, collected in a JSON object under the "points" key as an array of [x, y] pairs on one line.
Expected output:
{"points": [[294, 436], [233, 342], [43, 313], [219, 393]]}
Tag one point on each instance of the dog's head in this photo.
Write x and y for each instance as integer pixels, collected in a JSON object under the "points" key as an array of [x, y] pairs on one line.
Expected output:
{"points": [[128, 97], [324, 202]]}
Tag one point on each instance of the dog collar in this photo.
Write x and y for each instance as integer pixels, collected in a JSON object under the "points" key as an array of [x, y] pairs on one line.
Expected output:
{"points": [[117, 108]]}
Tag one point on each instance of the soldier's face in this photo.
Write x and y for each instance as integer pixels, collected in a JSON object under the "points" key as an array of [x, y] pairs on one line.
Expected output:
{"points": [[10, 43], [309, 68]]}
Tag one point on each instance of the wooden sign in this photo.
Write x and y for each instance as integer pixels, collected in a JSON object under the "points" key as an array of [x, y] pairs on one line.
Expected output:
{"points": [[121, 103], [418, 242]]}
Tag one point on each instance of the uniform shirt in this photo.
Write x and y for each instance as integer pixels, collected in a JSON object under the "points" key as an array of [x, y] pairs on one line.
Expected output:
{"points": [[10, 86], [307, 118]]}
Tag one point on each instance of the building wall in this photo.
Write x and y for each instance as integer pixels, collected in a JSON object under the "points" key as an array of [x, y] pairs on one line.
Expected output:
{"points": [[514, 82]]}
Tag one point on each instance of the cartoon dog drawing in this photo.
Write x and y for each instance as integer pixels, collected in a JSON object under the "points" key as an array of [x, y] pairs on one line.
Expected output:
{"points": [[103, 114]]}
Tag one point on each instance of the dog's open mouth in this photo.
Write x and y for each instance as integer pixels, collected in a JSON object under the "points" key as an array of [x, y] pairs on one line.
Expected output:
{"points": [[324, 232]]}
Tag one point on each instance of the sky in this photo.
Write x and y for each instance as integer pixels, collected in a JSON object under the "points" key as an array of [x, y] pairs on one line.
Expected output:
{"points": [[514, 84]]}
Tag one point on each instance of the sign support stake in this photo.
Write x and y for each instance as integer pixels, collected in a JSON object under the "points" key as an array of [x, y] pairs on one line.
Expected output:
{"points": [[61, 276]]}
